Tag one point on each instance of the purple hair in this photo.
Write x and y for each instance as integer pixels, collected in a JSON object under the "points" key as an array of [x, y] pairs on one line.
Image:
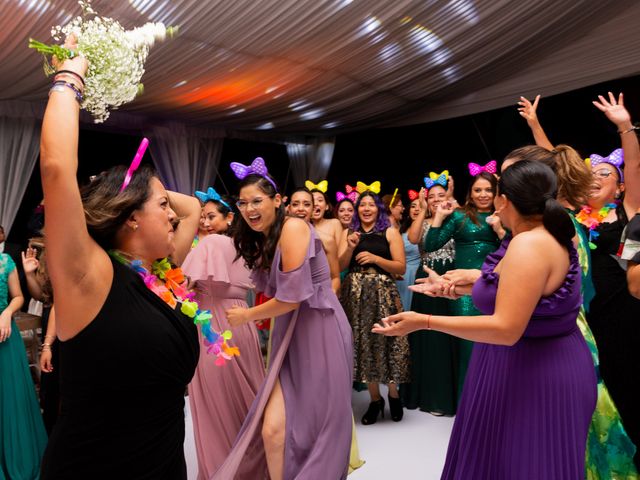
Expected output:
{"points": [[382, 222]]}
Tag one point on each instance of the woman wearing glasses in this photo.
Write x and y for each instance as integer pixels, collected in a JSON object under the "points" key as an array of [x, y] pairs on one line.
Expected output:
{"points": [[612, 312], [220, 397], [613, 315], [303, 409]]}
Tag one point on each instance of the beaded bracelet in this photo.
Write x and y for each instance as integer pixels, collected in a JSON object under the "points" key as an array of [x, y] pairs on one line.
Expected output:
{"points": [[59, 85], [69, 72]]}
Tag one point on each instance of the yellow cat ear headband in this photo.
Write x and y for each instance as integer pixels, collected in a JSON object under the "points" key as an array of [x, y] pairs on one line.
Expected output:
{"points": [[363, 187], [323, 186]]}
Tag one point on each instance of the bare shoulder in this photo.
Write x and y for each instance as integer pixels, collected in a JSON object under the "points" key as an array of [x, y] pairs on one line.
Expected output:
{"points": [[295, 226], [537, 246], [393, 234]]}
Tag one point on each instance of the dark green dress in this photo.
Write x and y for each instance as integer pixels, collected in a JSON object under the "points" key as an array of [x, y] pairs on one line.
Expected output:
{"points": [[22, 434], [473, 243], [434, 355]]}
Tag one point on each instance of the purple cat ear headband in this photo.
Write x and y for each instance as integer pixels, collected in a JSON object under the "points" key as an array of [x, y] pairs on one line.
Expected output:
{"points": [[615, 158], [257, 167]]}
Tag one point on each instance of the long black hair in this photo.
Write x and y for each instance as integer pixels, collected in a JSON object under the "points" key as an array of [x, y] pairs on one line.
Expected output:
{"points": [[258, 249], [328, 213], [532, 187], [469, 207]]}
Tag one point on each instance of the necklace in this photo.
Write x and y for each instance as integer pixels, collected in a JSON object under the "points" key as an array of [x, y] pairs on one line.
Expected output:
{"points": [[591, 218], [169, 283]]}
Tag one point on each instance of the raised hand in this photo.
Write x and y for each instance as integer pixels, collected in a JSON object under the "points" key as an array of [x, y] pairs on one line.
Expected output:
{"points": [[450, 187], [614, 110], [527, 110], [445, 209], [422, 197], [30, 262], [77, 64]]}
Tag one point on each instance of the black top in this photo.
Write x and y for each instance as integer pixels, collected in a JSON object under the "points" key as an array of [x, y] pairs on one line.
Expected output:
{"points": [[613, 318], [372, 242], [609, 278], [123, 380]]}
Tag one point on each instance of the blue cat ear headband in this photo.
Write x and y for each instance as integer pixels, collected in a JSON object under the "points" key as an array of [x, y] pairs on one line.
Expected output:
{"points": [[211, 196]]}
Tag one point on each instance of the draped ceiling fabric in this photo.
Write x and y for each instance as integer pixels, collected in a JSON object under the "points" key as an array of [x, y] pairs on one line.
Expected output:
{"points": [[199, 154], [19, 147], [314, 67], [310, 160]]}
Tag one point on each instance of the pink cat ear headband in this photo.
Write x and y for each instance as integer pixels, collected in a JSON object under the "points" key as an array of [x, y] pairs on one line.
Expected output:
{"points": [[135, 163], [490, 167]]}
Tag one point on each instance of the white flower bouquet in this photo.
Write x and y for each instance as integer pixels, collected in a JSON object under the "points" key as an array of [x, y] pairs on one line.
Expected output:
{"points": [[116, 57]]}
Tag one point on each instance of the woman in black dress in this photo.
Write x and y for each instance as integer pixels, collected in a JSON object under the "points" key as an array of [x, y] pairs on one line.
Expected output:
{"points": [[613, 313], [373, 251], [126, 356]]}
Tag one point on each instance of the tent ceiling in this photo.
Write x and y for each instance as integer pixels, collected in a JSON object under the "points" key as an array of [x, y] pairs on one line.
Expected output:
{"points": [[317, 67]]}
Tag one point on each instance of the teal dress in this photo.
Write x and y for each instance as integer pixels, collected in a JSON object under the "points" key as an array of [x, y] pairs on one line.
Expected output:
{"points": [[434, 355], [473, 243], [22, 434]]}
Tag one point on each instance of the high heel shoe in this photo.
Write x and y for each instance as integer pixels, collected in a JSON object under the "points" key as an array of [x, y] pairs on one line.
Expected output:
{"points": [[395, 406], [371, 416]]}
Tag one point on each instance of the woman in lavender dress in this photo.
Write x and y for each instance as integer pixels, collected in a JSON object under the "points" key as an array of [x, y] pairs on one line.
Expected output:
{"points": [[303, 409], [220, 396], [531, 386]]}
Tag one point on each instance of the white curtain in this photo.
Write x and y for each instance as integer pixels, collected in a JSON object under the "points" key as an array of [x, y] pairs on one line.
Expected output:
{"points": [[186, 159], [19, 149], [310, 160]]}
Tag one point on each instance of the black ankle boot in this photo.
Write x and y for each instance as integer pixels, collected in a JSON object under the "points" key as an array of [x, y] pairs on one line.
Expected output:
{"points": [[372, 412], [395, 405]]}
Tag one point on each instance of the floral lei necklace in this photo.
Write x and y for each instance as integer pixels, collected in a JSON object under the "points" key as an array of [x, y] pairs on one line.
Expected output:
{"points": [[591, 218], [172, 291]]}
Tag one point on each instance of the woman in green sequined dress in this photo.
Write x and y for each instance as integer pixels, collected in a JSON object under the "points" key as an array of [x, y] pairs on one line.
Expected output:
{"points": [[474, 238], [434, 355]]}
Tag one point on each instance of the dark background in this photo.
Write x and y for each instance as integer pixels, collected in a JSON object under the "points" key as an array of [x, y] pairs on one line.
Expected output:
{"points": [[398, 157]]}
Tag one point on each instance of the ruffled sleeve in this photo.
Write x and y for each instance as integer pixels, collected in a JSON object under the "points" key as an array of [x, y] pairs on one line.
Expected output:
{"points": [[569, 288], [213, 259], [309, 283], [296, 286], [491, 261]]}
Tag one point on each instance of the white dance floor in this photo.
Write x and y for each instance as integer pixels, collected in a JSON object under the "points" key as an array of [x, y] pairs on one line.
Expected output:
{"points": [[414, 448]]}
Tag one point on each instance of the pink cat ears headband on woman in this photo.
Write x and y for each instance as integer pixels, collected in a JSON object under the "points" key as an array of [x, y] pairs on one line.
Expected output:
{"points": [[135, 163], [490, 167]]}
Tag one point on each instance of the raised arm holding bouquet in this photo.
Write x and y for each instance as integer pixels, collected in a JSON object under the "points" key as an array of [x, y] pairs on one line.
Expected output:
{"points": [[116, 59], [129, 346]]}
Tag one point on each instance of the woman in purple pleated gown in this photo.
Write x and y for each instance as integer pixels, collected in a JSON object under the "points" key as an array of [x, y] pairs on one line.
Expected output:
{"points": [[531, 387], [302, 413]]}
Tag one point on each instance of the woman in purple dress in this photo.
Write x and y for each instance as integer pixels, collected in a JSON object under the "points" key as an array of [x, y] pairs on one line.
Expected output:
{"points": [[220, 397], [531, 386], [303, 409]]}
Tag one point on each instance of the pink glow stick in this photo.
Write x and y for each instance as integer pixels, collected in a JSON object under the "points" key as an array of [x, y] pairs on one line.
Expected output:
{"points": [[135, 163]]}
